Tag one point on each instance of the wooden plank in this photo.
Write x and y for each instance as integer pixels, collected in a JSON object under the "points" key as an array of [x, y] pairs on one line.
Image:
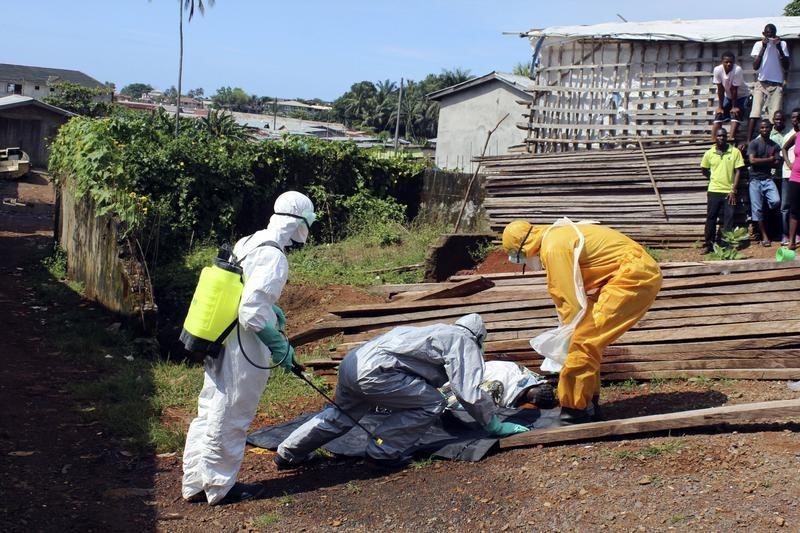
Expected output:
{"points": [[731, 414], [753, 373], [467, 287]]}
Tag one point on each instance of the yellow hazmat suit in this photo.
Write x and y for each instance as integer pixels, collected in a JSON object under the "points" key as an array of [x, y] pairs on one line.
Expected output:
{"points": [[621, 277]]}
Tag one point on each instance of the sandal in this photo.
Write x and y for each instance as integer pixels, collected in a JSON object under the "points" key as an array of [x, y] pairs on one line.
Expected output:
{"points": [[766, 244]]}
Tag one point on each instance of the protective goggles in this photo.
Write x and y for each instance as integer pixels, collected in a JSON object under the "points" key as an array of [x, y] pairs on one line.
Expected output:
{"points": [[518, 258], [308, 217]]}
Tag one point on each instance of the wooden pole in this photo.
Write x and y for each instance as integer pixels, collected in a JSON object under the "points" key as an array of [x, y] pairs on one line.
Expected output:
{"points": [[652, 179], [477, 169]]}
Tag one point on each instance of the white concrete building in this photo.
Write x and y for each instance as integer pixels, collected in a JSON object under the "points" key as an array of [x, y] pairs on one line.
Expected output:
{"points": [[469, 110]]}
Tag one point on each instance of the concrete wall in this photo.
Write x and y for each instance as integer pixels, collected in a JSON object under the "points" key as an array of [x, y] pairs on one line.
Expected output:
{"points": [[105, 262], [443, 195], [466, 117]]}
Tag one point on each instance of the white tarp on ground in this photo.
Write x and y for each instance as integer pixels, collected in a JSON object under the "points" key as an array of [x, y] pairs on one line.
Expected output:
{"points": [[711, 30]]}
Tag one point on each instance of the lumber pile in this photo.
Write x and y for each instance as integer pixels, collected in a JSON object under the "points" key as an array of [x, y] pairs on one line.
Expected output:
{"points": [[731, 319], [654, 194]]}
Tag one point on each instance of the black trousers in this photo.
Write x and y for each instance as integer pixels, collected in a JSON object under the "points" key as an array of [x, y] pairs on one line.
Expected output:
{"points": [[717, 202]]}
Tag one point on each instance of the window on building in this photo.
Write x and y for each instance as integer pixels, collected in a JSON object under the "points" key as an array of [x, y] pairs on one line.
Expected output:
{"points": [[35, 87], [14, 88], [52, 90]]}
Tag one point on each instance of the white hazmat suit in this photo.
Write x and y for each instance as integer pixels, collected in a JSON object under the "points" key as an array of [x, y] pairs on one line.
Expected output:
{"points": [[401, 371], [232, 386]]}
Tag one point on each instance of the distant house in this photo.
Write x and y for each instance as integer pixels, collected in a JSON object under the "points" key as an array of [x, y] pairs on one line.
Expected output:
{"points": [[468, 111], [39, 82], [287, 107], [30, 124]]}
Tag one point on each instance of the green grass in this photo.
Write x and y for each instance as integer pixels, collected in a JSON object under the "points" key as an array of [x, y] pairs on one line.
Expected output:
{"points": [[265, 520], [677, 518], [650, 451], [627, 385], [656, 253], [372, 257], [422, 463]]}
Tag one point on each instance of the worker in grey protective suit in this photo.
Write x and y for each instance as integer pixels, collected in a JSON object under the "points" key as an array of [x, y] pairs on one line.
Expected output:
{"points": [[233, 385], [401, 371]]}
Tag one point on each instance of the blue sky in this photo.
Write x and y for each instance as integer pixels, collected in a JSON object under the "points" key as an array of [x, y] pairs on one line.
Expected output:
{"points": [[309, 48]]}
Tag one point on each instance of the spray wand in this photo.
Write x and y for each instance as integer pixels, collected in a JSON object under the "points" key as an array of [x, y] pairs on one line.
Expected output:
{"points": [[297, 370]]}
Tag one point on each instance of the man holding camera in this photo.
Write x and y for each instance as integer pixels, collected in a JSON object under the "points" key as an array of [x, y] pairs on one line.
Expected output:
{"points": [[771, 61]]}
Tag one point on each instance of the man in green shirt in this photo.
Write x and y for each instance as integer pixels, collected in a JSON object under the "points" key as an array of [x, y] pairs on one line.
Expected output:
{"points": [[722, 164]]}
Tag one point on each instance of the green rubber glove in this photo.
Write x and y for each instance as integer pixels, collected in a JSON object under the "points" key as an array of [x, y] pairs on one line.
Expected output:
{"points": [[278, 344], [504, 429], [281, 317]]}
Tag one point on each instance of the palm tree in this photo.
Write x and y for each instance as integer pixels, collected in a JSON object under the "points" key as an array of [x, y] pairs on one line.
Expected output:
{"points": [[188, 5]]}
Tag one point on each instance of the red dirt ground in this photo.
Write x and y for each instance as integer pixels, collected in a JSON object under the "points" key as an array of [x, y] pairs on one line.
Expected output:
{"points": [[62, 473]]}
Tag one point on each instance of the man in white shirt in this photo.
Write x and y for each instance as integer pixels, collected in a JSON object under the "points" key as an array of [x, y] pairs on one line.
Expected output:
{"points": [[732, 93], [771, 61]]}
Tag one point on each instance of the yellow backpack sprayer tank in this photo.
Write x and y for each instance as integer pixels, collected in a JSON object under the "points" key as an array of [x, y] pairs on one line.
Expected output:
{"points": [[214, 310]]}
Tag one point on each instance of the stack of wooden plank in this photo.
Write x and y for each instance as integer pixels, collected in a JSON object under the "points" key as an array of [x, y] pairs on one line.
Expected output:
{"points": [[654, 194], [734, 319]]}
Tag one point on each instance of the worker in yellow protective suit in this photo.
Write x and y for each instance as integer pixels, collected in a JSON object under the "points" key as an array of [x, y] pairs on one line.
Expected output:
{"points": [[621, 280]]}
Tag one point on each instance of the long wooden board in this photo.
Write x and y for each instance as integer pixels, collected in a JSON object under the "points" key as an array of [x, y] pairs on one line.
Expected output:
{"points": [[733, 414]]}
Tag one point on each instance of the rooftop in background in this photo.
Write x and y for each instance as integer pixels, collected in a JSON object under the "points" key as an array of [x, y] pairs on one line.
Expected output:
{"points": [[517, 82], [17, 100], [710, 30], [44, 75], [295, 103]]}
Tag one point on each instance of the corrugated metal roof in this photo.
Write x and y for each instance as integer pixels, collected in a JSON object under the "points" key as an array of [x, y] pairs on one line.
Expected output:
{"points": [[518, 82], [16, 100], [44, 75], [711, 30]]}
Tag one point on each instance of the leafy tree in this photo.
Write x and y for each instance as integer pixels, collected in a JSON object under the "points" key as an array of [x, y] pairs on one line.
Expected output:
{"points": [[792, 9], [222, 124], [87, 101], [522, 69], [195, 93], [136, 90], [188, 5], [171, 95], [232, 99]]}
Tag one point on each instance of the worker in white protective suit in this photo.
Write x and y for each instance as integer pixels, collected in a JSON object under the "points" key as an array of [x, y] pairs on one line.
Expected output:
{"points": [[234, 381], [401, 371], [602, 282]]}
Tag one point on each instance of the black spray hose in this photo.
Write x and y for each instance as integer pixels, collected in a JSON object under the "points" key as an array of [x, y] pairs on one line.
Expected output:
{"points": [[297, 370]]}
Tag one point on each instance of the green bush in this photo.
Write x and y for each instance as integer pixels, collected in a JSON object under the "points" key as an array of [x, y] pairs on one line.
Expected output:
{"points": [[732, 241], [211, 183]]}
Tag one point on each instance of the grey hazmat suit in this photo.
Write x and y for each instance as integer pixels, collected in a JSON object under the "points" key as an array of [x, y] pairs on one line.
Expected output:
{"points": [[232, 386], [401, 371]]}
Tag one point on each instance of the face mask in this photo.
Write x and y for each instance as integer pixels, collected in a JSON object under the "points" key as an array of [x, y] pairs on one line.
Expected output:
{"points": [[516, 258], [533, 263]]}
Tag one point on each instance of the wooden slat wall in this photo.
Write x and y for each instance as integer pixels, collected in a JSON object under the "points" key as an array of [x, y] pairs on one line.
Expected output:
{"points": [[594, 94], [722, 319]]}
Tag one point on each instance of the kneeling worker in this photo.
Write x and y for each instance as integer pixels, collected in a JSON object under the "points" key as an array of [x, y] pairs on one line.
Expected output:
{"points": [[401, 371], [622, 278]]}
